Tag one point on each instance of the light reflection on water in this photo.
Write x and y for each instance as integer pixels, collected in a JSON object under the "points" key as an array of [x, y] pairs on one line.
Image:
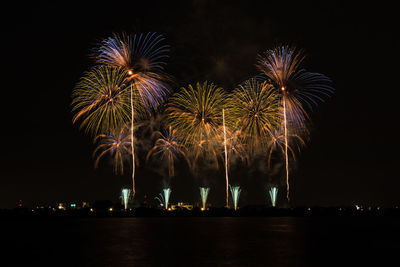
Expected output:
{"points": [[228, 241]]}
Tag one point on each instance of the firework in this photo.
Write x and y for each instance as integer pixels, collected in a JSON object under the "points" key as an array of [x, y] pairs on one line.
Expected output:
{"points": [[101, 100], [195, 113], [164, 197], [125, 197], [253, 109], [117, 143], [296, 87], [226, 159], [235, 192], [142, 52], [142, 58], [168, 147], [273, 193], [204, 194], [277, 142]]}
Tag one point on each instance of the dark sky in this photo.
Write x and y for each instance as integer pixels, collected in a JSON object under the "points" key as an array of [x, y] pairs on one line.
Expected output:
{"points": [[350, 159]]}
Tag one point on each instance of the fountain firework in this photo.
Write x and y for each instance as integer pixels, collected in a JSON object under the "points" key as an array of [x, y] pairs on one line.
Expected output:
{"points": [[235, 192], [204, 194], [164, 197], [125, 197], [273, 193]]}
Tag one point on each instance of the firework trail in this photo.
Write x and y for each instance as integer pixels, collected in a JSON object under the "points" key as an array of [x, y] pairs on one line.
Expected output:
{"points": [[296, 87], [273, 193], [226, 160], [235, 192], [204, 195], [125, 197], [167, 146], [142, 58]]}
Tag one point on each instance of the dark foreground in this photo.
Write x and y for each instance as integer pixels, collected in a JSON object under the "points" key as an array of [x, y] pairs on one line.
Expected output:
{"points": [[201, 241]]}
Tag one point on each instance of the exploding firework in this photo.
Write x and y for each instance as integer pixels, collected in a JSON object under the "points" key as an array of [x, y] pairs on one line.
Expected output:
{"points": [[101, 100], [295, 86], [273, 193], [142, 58], [117, 143], [125, 197], [235, 192], [195, 113], [142, 52], [253, 109], [164, 197], [168, 147], [277, 143], [204, 195]]}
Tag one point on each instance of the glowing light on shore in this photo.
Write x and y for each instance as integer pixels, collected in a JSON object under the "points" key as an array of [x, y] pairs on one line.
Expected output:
{"points": [[125, 197], [204, 194], [235, 192], [273, 193]]}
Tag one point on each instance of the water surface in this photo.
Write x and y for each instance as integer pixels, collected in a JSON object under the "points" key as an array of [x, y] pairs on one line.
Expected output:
{"points": [[196, 241]]}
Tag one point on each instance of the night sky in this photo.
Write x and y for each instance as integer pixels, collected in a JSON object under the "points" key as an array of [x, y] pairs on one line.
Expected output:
{"points": [[351, 158]]}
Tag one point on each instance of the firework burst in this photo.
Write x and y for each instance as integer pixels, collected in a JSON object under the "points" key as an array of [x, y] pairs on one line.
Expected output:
{"points": [[142, 52], [168, 147], [117, 143], [196, 114], [296, 87], [101, 99], [253, 109], [277, 142], [142, 58]]}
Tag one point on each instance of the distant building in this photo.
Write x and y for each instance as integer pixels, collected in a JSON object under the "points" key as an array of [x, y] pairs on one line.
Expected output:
{"points": [[181, 205]]}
